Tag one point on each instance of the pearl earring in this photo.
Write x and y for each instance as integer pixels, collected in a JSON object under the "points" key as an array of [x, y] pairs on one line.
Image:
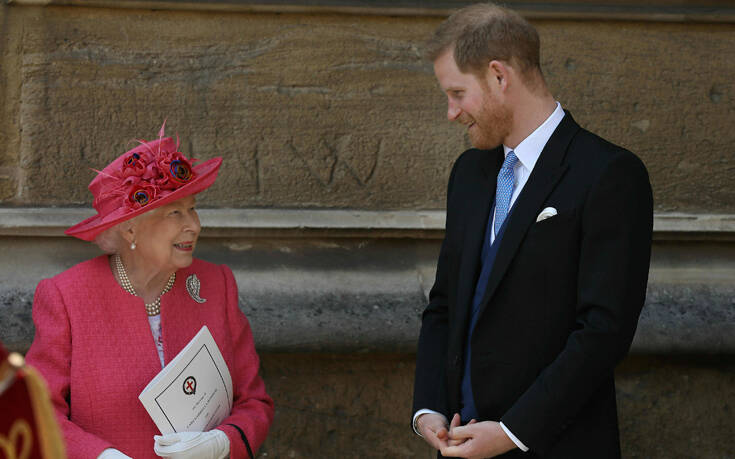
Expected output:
{"points": [[132, 246]]}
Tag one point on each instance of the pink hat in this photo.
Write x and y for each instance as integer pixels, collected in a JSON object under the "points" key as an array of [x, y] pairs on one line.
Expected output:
{"points": [[148, 176]]}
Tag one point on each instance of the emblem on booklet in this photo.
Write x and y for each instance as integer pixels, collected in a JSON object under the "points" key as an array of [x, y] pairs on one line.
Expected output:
{"points": [[190, 385]]}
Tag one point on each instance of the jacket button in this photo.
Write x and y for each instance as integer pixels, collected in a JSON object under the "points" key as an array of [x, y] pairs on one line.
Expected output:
{"points": [[457, 360]]}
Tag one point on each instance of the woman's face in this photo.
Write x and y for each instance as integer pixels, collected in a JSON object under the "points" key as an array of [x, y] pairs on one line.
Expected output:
{"points": [[166, 237]]}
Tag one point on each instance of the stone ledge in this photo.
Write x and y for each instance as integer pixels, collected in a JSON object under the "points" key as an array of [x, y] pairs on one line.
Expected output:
{"points": [[355, 295], [52, 221], [677, 319], [566, 10]]}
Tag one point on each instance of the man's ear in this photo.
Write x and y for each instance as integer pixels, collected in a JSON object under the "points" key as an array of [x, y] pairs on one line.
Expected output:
{"points": [[497, 74]]}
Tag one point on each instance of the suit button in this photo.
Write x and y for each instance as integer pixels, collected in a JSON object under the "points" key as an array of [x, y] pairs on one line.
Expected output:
{"points": [[457, 360]]}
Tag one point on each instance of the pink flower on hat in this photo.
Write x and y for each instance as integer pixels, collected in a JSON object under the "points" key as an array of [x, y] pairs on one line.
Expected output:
{"points": [[133, 165], [140, 195], [174, 170]]}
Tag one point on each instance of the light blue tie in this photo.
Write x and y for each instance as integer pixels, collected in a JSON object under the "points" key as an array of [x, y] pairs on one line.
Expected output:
{"points": [[504, 190]]}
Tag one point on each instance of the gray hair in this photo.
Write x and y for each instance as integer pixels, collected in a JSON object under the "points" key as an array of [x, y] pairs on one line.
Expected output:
{"points": [[110, 240]]}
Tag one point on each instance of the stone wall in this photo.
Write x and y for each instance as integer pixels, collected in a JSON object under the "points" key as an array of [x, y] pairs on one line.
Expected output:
{"points": [[335, 115], [667, 406], [335, 111]]}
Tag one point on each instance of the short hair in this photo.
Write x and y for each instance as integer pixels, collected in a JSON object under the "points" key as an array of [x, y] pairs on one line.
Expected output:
{"points": [[110, 240], [485, 32]]}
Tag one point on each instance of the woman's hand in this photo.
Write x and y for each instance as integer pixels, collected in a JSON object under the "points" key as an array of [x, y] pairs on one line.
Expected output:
{"points": [[112, 453], [184, 445]]}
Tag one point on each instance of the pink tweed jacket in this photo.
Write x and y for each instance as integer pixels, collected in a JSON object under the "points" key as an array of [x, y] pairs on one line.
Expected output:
{"points": [[95, 348]]}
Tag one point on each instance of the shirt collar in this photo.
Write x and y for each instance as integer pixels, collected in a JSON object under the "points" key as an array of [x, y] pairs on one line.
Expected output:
{"points": [[529, 150]]}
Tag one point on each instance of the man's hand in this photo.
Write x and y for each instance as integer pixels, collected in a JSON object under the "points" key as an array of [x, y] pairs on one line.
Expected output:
{"points": [[434, 429], [478, 440], [456, 422]]}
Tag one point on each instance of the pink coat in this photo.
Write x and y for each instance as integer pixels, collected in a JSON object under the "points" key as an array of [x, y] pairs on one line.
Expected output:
{"points": [[95, 348]]}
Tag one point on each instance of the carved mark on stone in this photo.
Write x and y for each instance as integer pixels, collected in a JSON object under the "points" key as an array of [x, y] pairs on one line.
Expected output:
{"points": [[358, 155], [258, 181], [318, 162]]}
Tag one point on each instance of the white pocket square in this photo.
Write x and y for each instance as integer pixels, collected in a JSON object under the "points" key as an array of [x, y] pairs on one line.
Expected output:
{"points": [[546, 213]]}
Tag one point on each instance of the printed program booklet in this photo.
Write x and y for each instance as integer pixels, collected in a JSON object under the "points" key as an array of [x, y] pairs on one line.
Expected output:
{"points": [[193, 393]]}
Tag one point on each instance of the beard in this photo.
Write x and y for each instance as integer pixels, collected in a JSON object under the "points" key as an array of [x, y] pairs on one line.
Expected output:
{"points": [[492, 124]]}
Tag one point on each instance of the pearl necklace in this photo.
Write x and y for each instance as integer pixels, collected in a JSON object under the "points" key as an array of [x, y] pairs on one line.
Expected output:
{"points": [[153, 309]]}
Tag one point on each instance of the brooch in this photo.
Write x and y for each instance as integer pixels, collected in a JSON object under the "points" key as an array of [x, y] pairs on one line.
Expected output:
{"points": [[192, 286]]}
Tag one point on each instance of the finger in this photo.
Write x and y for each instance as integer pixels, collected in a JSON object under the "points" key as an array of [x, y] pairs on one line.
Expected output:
{"points": [[436, 441], [456, 421], [442, 433], [455, 442], [438, 444], [166, 440], [472, 421], [462, 432], [456, 451]]}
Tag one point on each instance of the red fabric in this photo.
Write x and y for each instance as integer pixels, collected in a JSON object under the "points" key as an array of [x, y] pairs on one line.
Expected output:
{"points": [[95, 348], [16, 407]]}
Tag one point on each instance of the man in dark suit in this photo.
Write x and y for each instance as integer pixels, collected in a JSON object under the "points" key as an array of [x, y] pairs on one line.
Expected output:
{"points": [[543, 269]]}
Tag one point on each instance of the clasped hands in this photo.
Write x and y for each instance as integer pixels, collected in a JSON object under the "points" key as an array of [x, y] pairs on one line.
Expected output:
{"points": [[475, 440]]}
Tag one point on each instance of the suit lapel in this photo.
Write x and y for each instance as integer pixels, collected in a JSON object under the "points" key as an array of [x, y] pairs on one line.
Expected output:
{"points": [[547, 172], [478, 210]]}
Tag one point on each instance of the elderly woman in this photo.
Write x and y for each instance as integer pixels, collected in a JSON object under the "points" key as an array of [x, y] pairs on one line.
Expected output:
{"points": [[106, 327]]}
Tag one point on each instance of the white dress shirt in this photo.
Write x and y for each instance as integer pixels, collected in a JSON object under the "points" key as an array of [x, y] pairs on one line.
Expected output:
{"points": [[528, 152]]}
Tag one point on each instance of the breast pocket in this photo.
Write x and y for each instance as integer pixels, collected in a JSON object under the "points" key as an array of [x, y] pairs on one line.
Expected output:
{"points": [[548, 259], [556, 221], [554, 235], [550, 248]]}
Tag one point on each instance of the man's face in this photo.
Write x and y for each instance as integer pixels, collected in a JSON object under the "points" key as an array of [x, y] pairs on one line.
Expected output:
{"points": [[474, 102]]}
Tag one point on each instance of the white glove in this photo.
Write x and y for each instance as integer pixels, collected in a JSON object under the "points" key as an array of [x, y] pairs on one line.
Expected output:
{"points": [[201, 445], [111, 453]]}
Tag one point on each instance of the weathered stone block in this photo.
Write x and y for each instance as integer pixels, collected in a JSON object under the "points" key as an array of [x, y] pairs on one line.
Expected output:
{"points": [[10, 81], [359, 406], [687, 318], [336, 128], [340, 111], [358, 295], [661, 90], [676, 407], [8, 184], [341, 406]]}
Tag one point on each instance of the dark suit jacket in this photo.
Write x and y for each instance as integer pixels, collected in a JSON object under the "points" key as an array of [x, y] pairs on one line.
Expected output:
{"points": [[562, 301]]}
